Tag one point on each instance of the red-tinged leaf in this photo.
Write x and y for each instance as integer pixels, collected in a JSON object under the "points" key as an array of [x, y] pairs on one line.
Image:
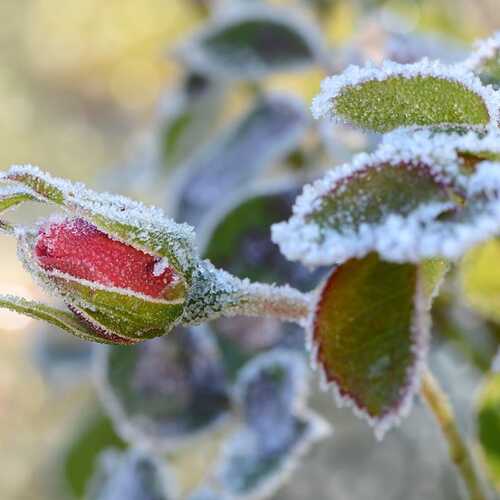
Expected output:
{"points": [[370, 332]]}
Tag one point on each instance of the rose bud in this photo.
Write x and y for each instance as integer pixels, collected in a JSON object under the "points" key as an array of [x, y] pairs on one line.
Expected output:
{"points": [[114, 288], [122, 268], [126, 272]]}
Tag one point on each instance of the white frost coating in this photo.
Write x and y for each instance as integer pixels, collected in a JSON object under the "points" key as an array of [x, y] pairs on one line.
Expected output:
{"points": [[195, 55], [243, 444], [81, 202], [332, 87], [484, 51], [160, 267], [398, 238], [420, 336]]}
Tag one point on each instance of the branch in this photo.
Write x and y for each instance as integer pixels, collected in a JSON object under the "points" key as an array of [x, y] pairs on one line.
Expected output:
{"points": [[440, 406]]}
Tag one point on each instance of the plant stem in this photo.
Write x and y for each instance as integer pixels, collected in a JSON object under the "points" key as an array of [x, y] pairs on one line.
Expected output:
{"points": [[283, 302], [439, 404]]}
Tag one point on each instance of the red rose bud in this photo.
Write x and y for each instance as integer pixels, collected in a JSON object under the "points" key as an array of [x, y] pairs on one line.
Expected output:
{"points": [[78, 248], [139, 296]]}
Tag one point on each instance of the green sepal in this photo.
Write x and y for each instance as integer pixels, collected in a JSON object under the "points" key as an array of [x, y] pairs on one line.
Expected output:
{"points": [[60, 319]]}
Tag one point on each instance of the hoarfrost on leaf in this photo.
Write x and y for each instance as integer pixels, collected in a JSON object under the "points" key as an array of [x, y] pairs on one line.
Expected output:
{"points": [[416, 197], [382, 98]]}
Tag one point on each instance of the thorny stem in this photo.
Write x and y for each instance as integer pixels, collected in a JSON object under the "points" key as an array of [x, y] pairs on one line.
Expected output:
{"points": [[440, 406]]}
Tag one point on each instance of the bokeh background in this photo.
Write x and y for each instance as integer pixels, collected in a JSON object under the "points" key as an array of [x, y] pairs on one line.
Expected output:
{"points": [[80, 85]]}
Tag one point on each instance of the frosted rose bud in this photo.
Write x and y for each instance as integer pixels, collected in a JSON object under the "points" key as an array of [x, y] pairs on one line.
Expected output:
{"points": [[113, 287]]}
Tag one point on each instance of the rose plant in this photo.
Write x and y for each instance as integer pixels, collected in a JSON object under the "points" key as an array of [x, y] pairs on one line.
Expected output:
{"points": [[368, 247]]}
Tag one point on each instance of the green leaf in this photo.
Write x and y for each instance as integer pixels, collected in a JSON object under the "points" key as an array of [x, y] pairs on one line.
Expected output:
{"points": [[93, 436], [488, 426], [61, 319], [392, 96], [252, 42], [370, 333], [166, 391], [480, 279], [369, 195], [262, 136]]}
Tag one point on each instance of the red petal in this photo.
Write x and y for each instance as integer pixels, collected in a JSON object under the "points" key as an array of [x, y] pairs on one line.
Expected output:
{"points": [[78, 248]]}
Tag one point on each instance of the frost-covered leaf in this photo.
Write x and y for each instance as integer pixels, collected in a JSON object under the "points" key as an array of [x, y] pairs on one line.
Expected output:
{"points": [[239, 240], [480, 279], [394, 95], [189, 121], [252, 41], [488, 426], [130, 475], [164, 392], [277, 430], [60, 319], [369, 334], [130, 222], [420, 195], [485, 60], [271, 389], [246, 471], [93, 435], [267, 132]]}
